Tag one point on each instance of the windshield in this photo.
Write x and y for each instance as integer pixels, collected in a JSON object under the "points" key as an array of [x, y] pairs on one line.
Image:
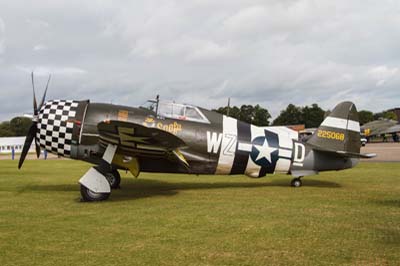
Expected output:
{"points": [[175, 110], [150, 105]]}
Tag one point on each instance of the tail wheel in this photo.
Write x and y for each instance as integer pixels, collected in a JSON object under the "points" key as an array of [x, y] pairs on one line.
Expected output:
{"points": [[114, 178], [296, 182], [88, 195]]}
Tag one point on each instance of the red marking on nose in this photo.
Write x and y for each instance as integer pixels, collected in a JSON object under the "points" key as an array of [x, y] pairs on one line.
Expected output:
{"points": [[75, 122]]}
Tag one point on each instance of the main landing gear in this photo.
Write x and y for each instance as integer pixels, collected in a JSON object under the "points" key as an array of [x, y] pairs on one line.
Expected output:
{"points": [[114, 178], [98, 181], [296, 182], [88, 195]]}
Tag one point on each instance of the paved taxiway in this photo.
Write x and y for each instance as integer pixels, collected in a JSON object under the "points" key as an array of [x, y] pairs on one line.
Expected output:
{"points": [[386, 152]]}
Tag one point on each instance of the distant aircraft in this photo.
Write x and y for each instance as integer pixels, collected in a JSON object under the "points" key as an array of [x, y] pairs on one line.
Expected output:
{"points": [[167, 137], [379, 127]]}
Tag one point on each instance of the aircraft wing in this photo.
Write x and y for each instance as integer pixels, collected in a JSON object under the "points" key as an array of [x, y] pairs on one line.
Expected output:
{"points": [[136, 140]]}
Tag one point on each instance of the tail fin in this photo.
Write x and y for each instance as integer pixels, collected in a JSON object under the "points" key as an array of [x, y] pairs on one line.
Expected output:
{"points": [[339, 132]]}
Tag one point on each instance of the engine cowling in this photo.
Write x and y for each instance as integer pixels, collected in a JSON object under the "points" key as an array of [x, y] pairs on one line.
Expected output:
{"points": [[59, 125]]}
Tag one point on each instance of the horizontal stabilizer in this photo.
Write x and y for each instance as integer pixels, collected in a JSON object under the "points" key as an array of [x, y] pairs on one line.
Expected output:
{"points": [[357, 155], [346, 153]]}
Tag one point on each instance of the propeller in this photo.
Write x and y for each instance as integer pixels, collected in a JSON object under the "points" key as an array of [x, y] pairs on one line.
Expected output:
{"points": [[33, 129]]}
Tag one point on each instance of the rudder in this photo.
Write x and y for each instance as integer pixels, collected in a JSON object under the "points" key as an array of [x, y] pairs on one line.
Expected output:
{"points": [[340, 131]]}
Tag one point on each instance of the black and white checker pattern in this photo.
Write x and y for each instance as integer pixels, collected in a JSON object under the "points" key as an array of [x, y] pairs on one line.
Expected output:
{"points": [[55, 126]]}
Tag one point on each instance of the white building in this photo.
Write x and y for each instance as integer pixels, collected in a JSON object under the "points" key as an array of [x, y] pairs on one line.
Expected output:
{"points": [[8, 143]]}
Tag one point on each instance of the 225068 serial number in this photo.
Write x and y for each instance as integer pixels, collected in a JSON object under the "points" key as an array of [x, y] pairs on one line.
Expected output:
{"points": [[330, 135]]}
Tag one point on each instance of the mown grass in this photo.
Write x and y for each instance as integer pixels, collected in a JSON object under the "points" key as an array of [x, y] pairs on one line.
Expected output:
{"points": [[338, 218]]}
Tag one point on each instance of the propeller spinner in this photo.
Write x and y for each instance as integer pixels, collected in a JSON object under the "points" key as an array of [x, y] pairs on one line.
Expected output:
{"points": [[33, 129]]}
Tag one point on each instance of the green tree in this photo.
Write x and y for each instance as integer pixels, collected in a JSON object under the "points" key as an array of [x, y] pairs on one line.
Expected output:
{"points": [[233, 111], [378, 115], [292, 115], [312, 116], [255, 115], [390, 115], [246, 113], [5, 130], [261, 116], [20, 125], [365, 116], [385, 115]]}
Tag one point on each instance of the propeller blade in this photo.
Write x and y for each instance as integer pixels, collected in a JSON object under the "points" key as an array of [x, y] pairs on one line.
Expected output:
{"points": [[45, 92], [37, 148], [35, 109], [28, 142]]}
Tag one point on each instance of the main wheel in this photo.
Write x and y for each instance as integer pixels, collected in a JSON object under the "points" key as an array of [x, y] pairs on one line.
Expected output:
{"points": [[88, 195], [114, 178], [296, 182]]}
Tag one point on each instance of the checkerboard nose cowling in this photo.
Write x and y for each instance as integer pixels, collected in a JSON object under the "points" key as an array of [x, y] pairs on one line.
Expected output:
{"points": [[55, 126]]}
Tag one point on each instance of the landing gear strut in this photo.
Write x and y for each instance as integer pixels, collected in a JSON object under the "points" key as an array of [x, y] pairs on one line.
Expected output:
{"points": [[296, 182], [114, 178], [96, 184]]}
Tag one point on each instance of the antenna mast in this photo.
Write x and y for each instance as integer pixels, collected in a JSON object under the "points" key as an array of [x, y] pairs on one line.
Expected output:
{"points": [[229, 106]]}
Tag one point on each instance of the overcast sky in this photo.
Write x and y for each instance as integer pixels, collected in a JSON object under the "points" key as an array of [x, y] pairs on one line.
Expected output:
{"points": [[270, 52]]}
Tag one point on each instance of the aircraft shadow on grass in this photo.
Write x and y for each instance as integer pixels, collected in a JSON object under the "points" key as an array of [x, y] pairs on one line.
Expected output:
{"points": [[388, 202], [151, 188]]}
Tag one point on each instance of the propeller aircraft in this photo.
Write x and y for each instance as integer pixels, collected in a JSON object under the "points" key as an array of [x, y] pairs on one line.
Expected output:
{"points": [[168, 137]]}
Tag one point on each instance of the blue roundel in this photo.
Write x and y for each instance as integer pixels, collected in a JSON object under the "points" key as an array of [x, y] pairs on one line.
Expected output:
{"points": [[262, 153]]}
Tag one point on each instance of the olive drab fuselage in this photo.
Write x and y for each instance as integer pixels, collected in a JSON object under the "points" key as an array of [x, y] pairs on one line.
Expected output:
{"points": [[218, 145]]}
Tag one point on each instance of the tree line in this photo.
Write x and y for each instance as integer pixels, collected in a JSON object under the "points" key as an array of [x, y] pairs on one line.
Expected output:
{"points": [[311, 116], [368, 116], [16, 127]]}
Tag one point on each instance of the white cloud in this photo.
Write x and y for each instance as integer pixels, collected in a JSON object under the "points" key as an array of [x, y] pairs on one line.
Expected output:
{"points": [[248, 19], [380, 82], [2, 35], [39, 47], [46, 70], [37, 23], [271, 52], [382, 74], [208, 50], [145, 48]]}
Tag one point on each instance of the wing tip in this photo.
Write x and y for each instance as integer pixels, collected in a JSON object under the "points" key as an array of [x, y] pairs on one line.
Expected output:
{"points": [[369, 155]]}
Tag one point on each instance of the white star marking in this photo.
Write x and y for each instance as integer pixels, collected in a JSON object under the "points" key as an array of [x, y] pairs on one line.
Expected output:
{"points": [[264, 151]]}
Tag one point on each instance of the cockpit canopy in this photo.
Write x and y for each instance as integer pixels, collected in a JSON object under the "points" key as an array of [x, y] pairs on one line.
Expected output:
{"points": [[174, 110]]}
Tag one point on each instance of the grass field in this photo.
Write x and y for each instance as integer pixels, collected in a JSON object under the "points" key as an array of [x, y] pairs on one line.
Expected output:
{"points": [[337, 218]]}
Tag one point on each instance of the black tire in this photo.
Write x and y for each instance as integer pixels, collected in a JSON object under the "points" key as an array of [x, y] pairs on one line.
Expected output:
{"points": [[88, 195], [114, 178], [296, 182]]}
